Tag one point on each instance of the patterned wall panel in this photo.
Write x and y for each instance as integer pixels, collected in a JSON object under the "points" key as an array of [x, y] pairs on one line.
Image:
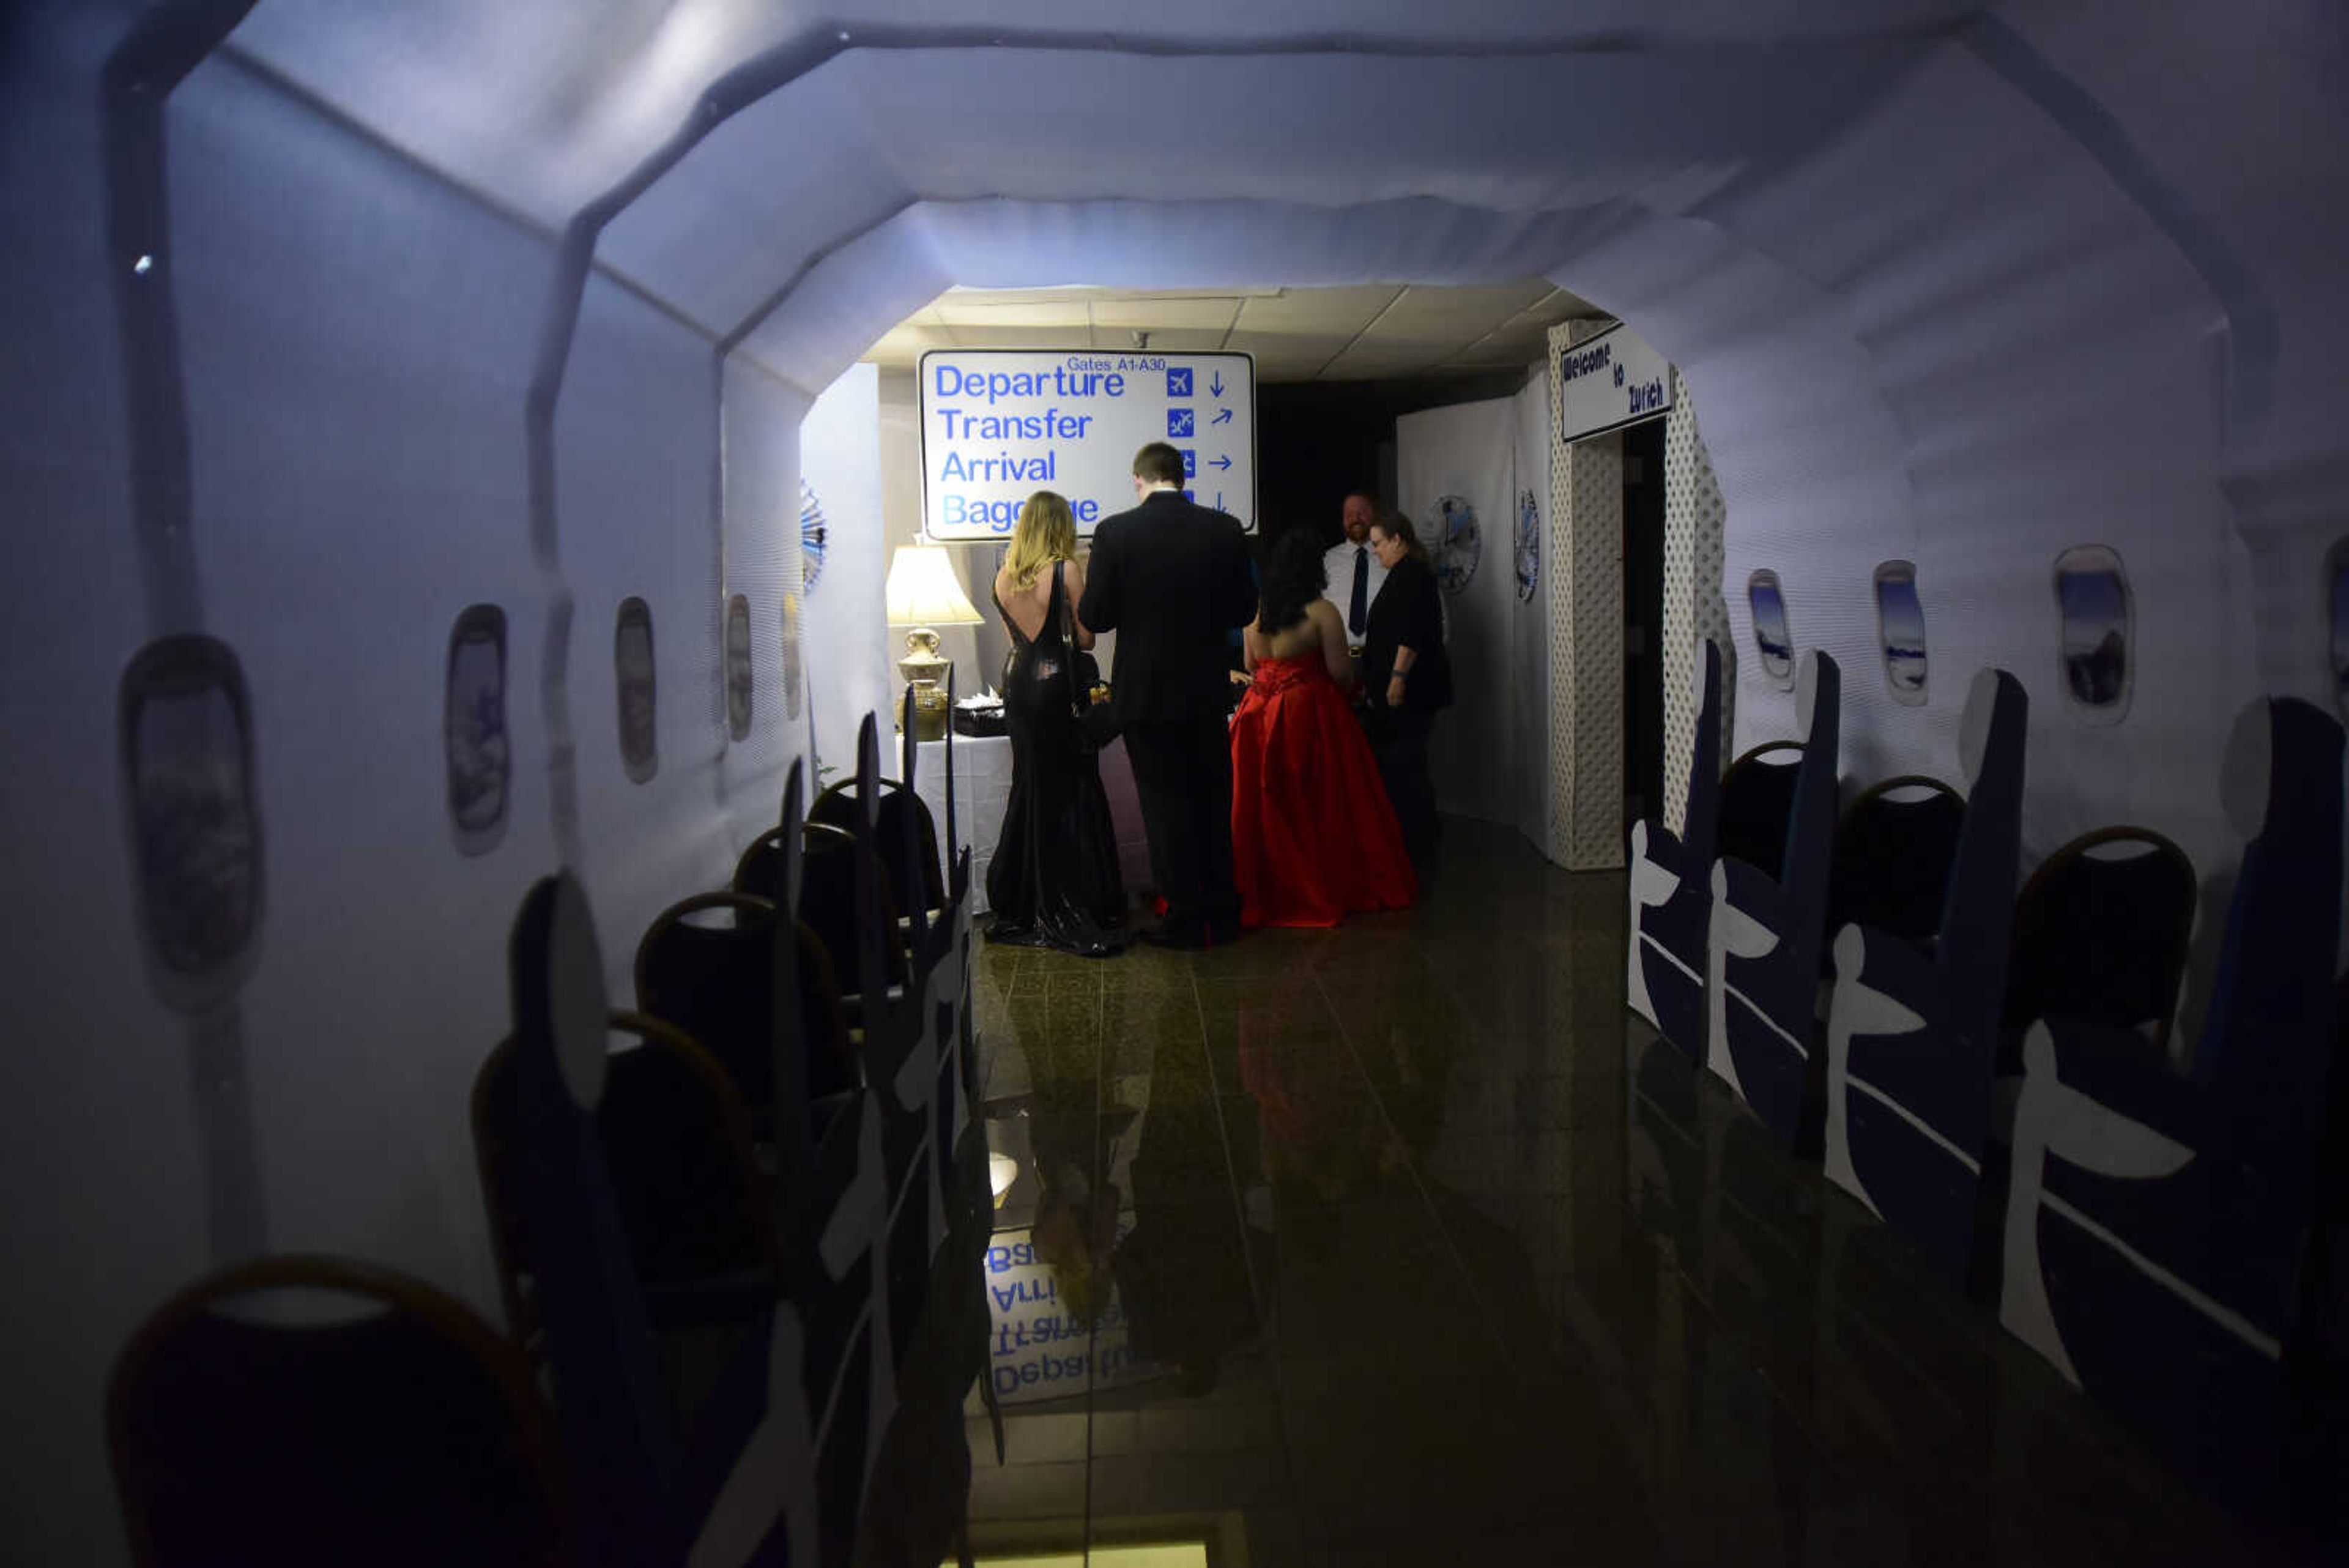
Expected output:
{"points": [[1695, 518], [1583, 575]]}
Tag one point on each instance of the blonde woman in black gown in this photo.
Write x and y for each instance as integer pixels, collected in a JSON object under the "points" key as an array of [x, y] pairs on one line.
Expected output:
{"points": [[1054, 879]]}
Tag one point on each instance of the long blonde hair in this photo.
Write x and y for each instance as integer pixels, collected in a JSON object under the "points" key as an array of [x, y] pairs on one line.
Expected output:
{"points": [[1046, 533]]}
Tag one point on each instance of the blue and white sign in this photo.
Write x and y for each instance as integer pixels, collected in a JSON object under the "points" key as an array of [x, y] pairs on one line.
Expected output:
{"points": [[998, 425], [1608, 382]]}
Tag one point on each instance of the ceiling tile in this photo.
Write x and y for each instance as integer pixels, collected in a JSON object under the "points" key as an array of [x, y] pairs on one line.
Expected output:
{"points": [[1054, 340], [965, 312], [1161, 342], [1317, 312], [1204, 315]]}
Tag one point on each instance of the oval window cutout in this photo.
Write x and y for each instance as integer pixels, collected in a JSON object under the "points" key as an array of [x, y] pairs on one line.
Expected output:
{"points": [[1771, 638], [2337, 579], [1900, 625], [791, 656], [474, 729], [2098, 629], [186, 734], [632, 664], [738, 667]]}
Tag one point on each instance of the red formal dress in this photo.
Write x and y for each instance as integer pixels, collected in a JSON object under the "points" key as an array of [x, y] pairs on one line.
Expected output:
{"points": [[1313, 838]]}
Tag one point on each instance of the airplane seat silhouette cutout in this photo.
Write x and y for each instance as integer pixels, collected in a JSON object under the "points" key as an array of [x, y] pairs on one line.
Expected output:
{"points": [[1912, 1036], [2156, 1220], [773, 1466], [1672, 888], [1762, 958]]}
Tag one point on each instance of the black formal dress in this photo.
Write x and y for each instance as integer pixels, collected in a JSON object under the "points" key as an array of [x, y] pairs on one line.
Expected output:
{"points": [[1408, 613], [1054, 881], [1172, 579]]}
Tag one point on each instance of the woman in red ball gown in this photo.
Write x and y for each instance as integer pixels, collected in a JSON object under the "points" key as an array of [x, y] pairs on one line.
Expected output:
{"points": [[1313, 837]]}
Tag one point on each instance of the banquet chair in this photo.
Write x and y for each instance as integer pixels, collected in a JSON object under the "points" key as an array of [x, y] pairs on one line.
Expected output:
{"points": [[1757, 801], [827, 901], [1894, 849], [2156, 1220], [688, 1192], [1912, 1029], [309, 1409], [716, 982], [724, 985], [1671, 885], [1762, 941], [914, 880], [2102, 930]]}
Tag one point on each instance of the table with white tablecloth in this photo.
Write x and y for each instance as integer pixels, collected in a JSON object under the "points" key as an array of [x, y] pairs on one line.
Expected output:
{"points": [[983, 787]]}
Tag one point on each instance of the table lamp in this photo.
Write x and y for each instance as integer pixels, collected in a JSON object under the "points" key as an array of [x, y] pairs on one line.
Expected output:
{"points": [[922, 593]]}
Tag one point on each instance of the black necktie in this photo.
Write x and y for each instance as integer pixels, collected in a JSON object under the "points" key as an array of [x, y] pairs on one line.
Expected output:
{"points": [[1358, 610]]}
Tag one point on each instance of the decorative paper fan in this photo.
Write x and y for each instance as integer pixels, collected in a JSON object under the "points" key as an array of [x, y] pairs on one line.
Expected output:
{"points": [[1528, 544], [1462, 542], [811, 535]]}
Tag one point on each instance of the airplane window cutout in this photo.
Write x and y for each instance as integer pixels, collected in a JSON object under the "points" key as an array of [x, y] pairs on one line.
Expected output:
{"points": [[1771, 638], [738, 667], [791, 656], [479, 751], [2097, 616], [1900, 627], [186, 735], [2336, 577], [632, 663]]}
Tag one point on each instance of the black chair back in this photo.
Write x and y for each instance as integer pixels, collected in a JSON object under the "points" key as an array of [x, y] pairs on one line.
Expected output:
{"points": [[828, 906], [678, 1140], [2101, 934], [1893, 851], [1757, 800], [398, 1430], [717, 984], [684, 1182], [903, 819]]}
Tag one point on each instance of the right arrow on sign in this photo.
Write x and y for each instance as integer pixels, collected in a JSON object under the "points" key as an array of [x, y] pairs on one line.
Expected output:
{"points": [[1222, 463]]}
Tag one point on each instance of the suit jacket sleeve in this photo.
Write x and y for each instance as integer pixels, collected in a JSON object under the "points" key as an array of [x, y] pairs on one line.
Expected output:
{"points": [[1098, 609], [1239, 593]]}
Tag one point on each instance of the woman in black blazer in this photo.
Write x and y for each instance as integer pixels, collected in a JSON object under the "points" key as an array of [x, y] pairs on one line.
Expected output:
{"points": [[1407, 677]]}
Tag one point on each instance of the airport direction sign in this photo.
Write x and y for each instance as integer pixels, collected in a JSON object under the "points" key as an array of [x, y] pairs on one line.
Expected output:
{"points": [[1609, 380], [997, 425]]}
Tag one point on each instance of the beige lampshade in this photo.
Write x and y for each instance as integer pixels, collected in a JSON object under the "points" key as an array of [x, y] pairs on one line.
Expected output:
{"points": [[922, 589]]}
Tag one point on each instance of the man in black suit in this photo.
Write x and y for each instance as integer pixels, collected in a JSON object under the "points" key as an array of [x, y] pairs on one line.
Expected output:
{"points": [[1172, 579]]}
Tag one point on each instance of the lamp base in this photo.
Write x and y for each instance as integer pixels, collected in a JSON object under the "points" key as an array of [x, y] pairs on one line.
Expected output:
{"points": [[930, 712]]}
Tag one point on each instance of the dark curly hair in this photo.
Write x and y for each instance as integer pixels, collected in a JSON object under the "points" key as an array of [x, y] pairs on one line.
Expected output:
{"points": [[1293, 581]]}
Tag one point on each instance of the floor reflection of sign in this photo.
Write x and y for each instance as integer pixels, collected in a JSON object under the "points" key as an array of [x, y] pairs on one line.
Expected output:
{"points": [[1039, 1350]]}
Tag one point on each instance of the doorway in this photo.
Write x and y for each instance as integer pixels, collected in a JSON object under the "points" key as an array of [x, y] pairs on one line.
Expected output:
{"points": [[1643, 621]]}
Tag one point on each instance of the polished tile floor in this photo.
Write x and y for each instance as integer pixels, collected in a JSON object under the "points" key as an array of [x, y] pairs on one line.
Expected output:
{"points": [[1405, 1243]]}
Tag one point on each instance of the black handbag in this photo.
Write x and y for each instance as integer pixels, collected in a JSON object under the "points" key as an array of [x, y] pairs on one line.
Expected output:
{"points": [[1096, 725]]}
